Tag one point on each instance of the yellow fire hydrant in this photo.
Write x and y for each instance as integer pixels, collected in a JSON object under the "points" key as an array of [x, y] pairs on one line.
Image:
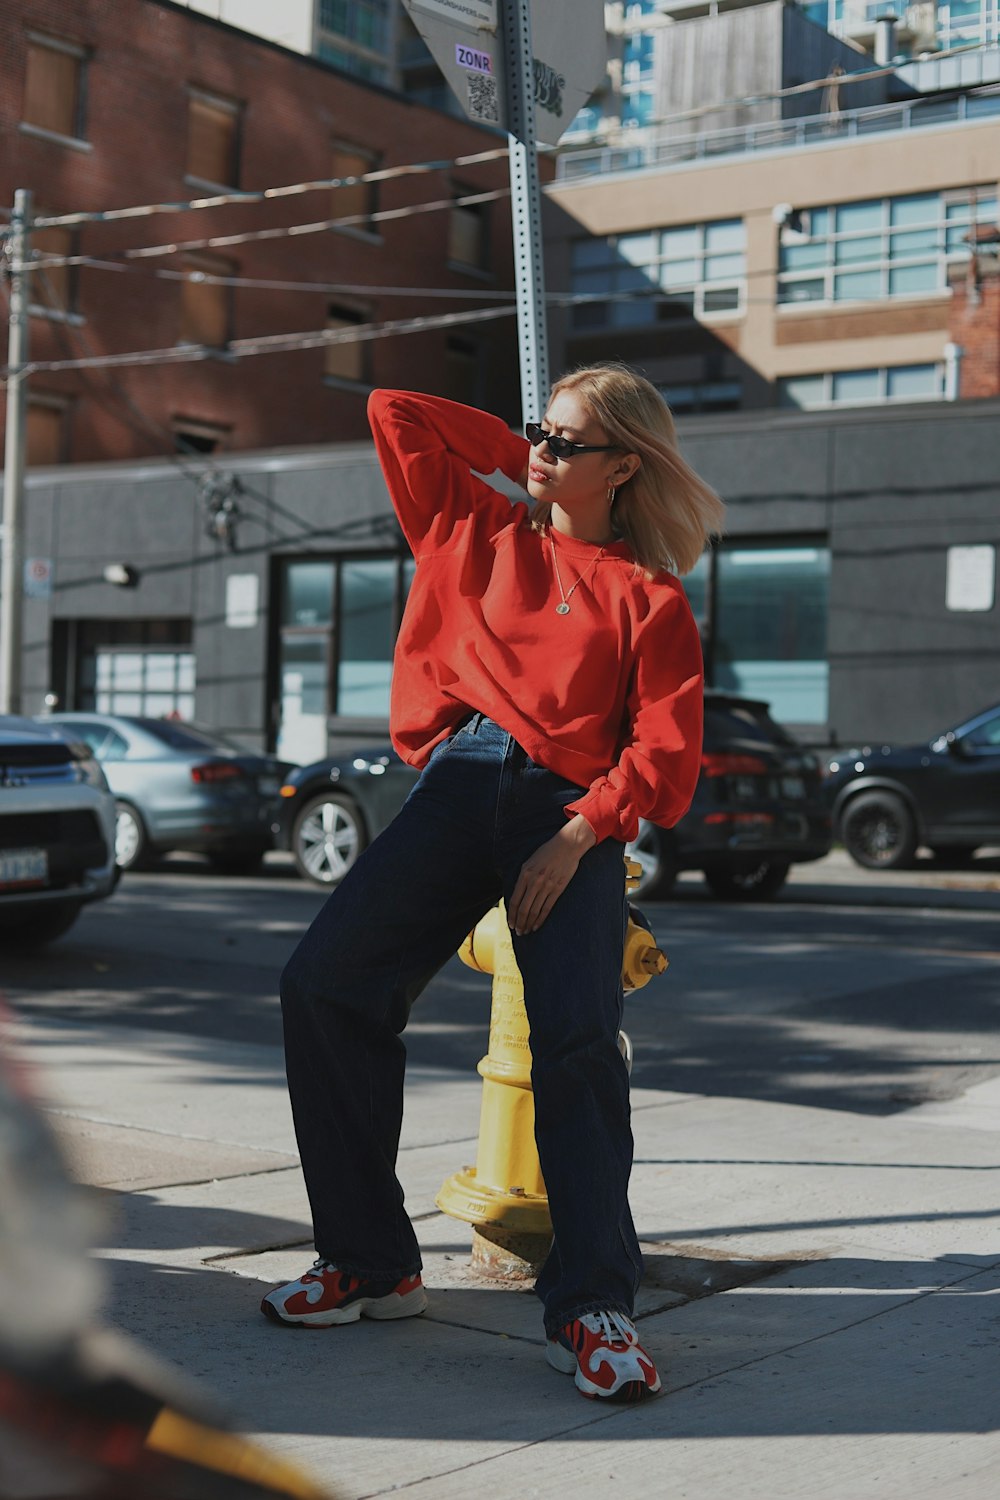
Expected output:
{"points": [[503, 1195]]}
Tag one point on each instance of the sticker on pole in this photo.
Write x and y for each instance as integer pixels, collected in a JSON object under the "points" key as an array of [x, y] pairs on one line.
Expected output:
{"points": [[474, 13], [472, 58], [484, 98]]}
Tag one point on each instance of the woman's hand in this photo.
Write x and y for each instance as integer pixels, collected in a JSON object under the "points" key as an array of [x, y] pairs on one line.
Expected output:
{"points": [[546, 875]]}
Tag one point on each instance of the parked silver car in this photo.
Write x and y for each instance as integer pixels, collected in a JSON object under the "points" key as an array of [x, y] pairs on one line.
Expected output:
{"points": [[178, 786], [57, 832]]}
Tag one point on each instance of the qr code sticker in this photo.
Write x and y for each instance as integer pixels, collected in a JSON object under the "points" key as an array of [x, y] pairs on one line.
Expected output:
{"points": [[484, 101]]}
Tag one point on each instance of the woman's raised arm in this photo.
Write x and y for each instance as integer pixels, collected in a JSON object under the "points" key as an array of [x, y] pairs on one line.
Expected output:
{"points": [[429, 449]]}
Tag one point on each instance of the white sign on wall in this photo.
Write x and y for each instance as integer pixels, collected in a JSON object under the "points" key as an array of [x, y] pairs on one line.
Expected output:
{"points": [[971, 579], [242, 594]]}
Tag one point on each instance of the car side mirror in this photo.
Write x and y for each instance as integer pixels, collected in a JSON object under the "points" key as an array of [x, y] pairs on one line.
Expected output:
{"points": [[956, 746]]}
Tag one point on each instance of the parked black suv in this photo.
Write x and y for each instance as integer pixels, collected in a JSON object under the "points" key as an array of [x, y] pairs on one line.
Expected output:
{"points": [[887, 800], [757, 810]]}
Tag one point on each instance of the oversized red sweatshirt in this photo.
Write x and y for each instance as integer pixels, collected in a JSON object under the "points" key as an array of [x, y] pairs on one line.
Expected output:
{"points": [[608, 696]]}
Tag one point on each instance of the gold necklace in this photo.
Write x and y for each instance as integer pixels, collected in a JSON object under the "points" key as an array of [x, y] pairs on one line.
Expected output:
{"points": [[562, 608]]}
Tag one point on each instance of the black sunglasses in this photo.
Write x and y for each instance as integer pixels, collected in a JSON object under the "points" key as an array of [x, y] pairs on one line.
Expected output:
{"points": [[561, 447]]}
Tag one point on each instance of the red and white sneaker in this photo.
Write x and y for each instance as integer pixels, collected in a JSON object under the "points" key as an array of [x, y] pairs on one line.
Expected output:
{"points": [[603, 1354], [323, 1295]]}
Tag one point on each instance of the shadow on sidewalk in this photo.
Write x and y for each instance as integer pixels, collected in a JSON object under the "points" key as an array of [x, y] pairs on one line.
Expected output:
{"points": [[845, 1345]]}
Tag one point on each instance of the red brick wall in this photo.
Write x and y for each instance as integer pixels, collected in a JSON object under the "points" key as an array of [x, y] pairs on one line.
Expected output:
{"points": [[143, 55], [975, 327]]}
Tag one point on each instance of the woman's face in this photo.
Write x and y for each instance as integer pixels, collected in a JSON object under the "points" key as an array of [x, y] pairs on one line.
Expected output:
{"points": [[584, 477]]}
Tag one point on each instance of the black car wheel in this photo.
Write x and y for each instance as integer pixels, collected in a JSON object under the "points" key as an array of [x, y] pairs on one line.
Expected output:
{"points": [[131, 839], [878, 831], [760, 883], [327, 837], [650, 849]]}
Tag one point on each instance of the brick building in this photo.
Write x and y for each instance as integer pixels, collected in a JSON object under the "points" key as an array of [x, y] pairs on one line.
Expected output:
{"points": [[105, 104]]}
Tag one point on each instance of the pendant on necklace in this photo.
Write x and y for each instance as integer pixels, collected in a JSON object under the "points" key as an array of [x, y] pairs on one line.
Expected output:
{"points": [[562, 609]]}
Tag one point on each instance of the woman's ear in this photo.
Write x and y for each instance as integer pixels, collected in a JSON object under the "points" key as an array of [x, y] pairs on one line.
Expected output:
{"points": [[627, 465]]}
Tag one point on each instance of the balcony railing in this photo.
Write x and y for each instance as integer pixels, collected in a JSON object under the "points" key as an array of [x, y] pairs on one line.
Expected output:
{"points": [[777, 135]]}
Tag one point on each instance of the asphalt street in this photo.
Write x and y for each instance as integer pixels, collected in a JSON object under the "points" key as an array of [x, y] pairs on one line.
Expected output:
{"points": [[869, 993]]}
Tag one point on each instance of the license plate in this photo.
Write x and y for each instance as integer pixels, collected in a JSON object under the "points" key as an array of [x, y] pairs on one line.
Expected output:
{"points": [[23, 867], [744, 788], [793, 786], [268, 786]]}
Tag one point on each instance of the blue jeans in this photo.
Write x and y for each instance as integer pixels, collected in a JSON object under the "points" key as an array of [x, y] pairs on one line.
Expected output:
{"points": [[480, 808]]}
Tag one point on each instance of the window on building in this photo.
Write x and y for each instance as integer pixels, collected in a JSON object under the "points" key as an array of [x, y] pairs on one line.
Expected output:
{"points": [[766, 629], [53, 288], [354, 35], [879, 248], [191, 436], [207, 306], [54, 86], [155, 684], [638, 78], [350, 360], [703, 396], [144, 667], [863, 387], [46, 429], [213, 139], [359, 200], [362, 21], [468, 231], [339, 621], [691, 270], [464, 370]]}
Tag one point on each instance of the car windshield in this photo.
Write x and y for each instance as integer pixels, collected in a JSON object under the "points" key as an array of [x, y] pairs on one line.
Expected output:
{"points": [[743, 721], [187, 736]]}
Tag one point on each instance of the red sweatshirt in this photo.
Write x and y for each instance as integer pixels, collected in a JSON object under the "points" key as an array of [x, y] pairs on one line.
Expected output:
{"points": [[608, 696]]}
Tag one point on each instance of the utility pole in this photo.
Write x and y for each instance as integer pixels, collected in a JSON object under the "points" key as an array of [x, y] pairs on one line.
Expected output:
{"points": [[11, 581], [526, 210]]}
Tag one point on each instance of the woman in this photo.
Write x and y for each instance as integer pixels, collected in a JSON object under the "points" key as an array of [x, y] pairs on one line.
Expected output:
{"points": [[548, 681]]}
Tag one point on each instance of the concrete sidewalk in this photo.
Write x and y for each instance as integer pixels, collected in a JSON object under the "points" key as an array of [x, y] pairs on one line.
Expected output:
{"points": [[821, 1296]]}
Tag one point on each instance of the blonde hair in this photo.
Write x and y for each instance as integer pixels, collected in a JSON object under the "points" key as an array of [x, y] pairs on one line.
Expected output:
{"points": [[665, 512]]}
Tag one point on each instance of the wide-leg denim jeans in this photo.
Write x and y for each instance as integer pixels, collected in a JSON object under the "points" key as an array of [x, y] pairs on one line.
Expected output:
{"points": [[479, 809]]}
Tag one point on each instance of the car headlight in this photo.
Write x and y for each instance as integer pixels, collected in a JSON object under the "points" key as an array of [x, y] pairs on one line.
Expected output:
{"points": [[88, 768]]}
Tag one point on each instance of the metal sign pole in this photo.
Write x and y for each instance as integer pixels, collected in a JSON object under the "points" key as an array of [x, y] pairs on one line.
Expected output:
{"points": [[526, 208], [11, 582]]}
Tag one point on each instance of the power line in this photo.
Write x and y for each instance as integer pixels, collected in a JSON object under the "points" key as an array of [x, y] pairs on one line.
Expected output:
{"points": [[215, 242], [279, 343], [197, 468], [260, 283], [289, 190]]}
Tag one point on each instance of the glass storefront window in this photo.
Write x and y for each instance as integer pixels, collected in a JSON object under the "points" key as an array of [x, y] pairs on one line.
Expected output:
{"points": [[339, 620], [367, 607], [303, 672], [308, 594], [770, 628]]}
